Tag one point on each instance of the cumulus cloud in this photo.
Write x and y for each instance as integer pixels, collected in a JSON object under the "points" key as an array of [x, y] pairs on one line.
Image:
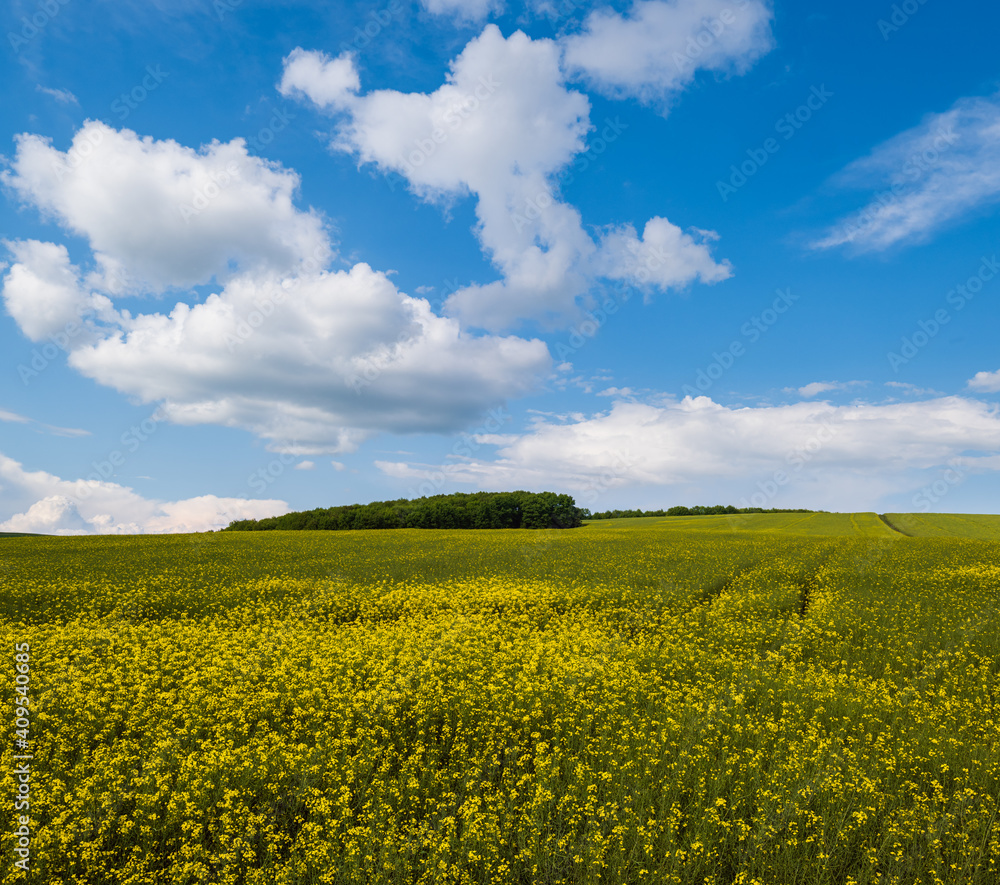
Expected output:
{"points": [[946, 167], [500, 128], [664, 257], [326, 82], [312, 360], [655, 49], [845, 456], [43, 293], [985, 382], [170, 215], [493, 84], [36, 501], [328, 360]]}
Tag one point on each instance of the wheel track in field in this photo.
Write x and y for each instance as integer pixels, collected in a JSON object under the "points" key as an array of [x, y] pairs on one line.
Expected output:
{"points": [[808, 585], [885, 519]]}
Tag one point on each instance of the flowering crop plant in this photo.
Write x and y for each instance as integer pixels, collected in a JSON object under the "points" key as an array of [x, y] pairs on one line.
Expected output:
{"points": [[659, 701]]}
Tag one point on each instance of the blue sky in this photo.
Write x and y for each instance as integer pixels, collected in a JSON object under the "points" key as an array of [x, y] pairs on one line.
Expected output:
{"points": [[260, 257]]}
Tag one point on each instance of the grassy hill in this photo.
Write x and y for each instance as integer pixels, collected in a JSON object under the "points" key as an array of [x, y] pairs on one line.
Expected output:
{"points": [[815, 524], [982, 527], [985, 527]]}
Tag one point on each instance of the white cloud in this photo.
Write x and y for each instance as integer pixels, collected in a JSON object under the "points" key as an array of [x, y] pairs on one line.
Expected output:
{"points": [[166, 214], [63, 96], [466, 10], [54, 515], [36, 501], [328, 83], [818, 387], [494, 83], [312, 360], [913, 389], [654, 50], [985, 382], [306, 465], [42, 292], [14, 418], [840, 456], [933, 174], [500, 128], [664, 256], [314, 367]]}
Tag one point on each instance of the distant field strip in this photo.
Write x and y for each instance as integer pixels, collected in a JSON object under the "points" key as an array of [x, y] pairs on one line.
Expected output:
{"points": [[948, 525], [814, 524]]}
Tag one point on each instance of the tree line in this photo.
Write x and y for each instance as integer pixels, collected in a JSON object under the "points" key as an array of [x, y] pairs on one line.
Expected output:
{"points": [[698, 510], [476, 510]]}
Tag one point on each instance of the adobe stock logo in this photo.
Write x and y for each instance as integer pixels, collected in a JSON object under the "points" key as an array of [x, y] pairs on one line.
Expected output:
{"points": [[132, 439], [32, 27], [787, 127], [219, 180], [712, 29], [129, 101], [958, 298], [456, 115], [751, 330], [932, 494], [377, 20], [901, 14]]}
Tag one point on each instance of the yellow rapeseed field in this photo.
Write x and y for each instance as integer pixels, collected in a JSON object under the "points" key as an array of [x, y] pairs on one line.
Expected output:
{"points": [[609, 704]]}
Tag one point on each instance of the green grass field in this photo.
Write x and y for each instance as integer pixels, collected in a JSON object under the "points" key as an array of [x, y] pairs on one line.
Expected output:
{"points": [[817, 524], [930, 525], [794, 699], [947, 525]]}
